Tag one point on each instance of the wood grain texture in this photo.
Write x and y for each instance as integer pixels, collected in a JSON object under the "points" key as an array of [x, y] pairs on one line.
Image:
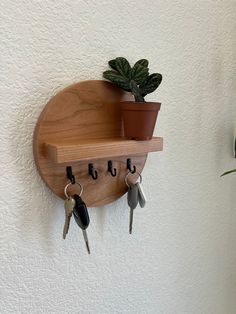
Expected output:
{"points": [[61, 152], [84, 112]]}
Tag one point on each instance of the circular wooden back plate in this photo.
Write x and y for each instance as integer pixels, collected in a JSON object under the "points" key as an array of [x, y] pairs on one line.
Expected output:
{"points": [[86, 110]]}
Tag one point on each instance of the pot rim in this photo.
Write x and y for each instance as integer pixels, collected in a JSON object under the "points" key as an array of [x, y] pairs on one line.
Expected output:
{"points": [[142, 106]]}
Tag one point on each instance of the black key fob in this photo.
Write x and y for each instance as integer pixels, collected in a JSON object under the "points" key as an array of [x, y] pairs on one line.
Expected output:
{"points": [[80, 212]]}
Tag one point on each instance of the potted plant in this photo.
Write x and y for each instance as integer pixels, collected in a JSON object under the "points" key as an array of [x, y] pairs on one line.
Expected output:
{"points": [[139, 117]]}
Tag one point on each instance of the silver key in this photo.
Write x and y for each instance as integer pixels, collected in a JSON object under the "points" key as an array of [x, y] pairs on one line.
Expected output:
{"points": [[132, 199], [141, 195], [81, 217], [69, 206], [86, 240]]}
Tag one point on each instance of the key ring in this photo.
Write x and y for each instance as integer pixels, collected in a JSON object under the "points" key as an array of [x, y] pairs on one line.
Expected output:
{"points": [[69, 184], [129, 173]]}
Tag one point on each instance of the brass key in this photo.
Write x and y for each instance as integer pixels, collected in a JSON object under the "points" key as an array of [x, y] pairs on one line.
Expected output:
{"points": [[69, 206]]}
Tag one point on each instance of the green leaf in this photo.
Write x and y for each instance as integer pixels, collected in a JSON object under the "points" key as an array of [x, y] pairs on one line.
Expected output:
{"points": [[123, 67], [143, 62], [228, 172], [112, 64], [151, 83], [117, 79], [139, 73]]}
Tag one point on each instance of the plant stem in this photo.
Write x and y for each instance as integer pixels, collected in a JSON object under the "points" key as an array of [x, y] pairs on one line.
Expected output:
{"points": [[136, 92]]}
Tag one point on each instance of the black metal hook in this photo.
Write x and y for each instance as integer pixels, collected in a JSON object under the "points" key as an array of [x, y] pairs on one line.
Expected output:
{"points": [[129, 165], [111, 169], [70, 175], [92, 172]]}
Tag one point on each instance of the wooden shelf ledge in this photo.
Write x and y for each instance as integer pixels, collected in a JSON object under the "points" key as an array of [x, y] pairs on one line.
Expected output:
{"points": [[65, 152]]}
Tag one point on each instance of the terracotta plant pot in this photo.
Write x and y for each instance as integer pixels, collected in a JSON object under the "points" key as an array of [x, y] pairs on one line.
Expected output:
{"points": [[139, 119]]}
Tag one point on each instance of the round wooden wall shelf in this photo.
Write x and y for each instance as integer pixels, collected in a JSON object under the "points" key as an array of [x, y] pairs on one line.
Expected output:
{"points": [[82, 125]]}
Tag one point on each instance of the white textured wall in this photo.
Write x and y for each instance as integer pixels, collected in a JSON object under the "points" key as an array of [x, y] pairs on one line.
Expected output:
{"points": [[181, 258]]}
